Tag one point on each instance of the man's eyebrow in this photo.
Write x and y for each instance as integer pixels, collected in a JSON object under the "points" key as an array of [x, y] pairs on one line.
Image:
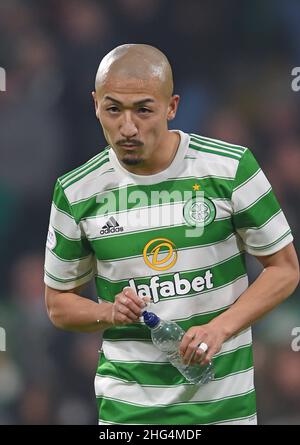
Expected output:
{"points": [[139, 102]]}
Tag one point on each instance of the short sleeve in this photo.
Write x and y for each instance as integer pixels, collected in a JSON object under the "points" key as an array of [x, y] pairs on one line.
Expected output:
{"points": [[69, 260], [257, 215]]}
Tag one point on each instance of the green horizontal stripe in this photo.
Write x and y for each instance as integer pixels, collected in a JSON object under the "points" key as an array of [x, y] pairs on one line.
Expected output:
{"points": [[234, 361], [248, 166], [180, 414], [258, 197], [73, 260], [132, 196], [258, 213], [165, 374], [67, 249], [60, 201], [223, 273], [65, 236], [62, 212], [247, 180], [138, 331], [266, 222], [132, 244]]}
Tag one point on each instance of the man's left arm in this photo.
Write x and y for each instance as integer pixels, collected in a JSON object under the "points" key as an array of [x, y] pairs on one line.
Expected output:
{"points": [[264, 233], [277, 281]]}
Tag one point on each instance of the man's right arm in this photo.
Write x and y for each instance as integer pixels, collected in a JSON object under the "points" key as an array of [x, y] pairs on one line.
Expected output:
{"points": [[70, 311]]}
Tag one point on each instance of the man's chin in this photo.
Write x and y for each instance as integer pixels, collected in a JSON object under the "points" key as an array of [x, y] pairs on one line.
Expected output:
{"points": [[132, 161]]}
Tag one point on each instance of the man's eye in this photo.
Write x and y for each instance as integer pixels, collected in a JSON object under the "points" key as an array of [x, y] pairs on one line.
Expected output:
{"points": [[144, 110], [113, 109]]}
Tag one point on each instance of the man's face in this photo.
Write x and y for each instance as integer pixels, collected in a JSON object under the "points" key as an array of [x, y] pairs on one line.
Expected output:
{"points": [[133, 114]]}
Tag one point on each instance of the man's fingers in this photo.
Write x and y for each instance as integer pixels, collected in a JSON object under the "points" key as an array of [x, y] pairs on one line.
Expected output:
{"points": [[187, 338], [188, 348], [133, 307], [192, 349], [198, 356], [126, 310], [122, 315], [133, 298], [128, 307]]}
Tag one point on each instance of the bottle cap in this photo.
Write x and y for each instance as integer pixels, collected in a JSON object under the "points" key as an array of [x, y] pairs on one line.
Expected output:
{"points": [[150, 319]]}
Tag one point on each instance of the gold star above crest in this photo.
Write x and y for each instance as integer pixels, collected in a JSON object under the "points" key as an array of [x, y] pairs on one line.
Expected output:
{"points": [[196, 187]]}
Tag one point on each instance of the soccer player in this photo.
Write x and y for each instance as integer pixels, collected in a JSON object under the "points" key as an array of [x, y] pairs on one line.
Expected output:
{"points": [[168, 216]]}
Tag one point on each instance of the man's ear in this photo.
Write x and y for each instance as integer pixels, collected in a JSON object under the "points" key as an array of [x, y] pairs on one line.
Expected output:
{"points": [[96, 104], [172, 109]]}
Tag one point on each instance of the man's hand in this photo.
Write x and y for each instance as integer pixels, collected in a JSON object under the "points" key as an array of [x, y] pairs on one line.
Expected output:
{"points": [[278, 280], [69, 310], [127, 307], [196, 340]]}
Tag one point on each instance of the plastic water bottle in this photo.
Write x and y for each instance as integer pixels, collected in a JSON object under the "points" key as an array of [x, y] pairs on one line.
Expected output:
{"points": [[166, 336]]}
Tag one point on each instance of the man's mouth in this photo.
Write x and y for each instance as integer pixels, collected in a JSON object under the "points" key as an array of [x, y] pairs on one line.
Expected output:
{"points": [[130, 147]]}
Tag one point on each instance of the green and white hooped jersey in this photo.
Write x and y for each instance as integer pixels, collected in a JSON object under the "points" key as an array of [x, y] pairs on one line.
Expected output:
{"points": [[179, 236]]}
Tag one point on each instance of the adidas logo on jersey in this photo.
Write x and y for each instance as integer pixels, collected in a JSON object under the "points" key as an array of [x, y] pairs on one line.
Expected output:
{"points": [[111, 226]]}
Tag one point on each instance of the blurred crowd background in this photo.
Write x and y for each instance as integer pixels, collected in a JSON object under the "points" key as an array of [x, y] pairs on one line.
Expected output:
{"points": [[232, 65]]}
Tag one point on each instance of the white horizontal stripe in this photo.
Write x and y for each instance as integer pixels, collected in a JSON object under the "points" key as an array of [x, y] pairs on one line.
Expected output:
{"points": [[288, 238], [136, 394], [67, 270], [209, 164], [205, 165], [133, 351], [238, 148], [104, 183], [70, 284], [215, 149], [250, 192], [195, 258], [64, 224], [141, 351], [250, 420], [238, 341], [104, 422], [267, 234], [223, 208]]}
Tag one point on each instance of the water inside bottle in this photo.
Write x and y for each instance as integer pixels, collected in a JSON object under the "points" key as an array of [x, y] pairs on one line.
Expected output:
{"points": [[195, 374]]}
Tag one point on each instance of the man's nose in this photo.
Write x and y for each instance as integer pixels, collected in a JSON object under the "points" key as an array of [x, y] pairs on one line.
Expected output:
{"points": [[128, 128]]}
